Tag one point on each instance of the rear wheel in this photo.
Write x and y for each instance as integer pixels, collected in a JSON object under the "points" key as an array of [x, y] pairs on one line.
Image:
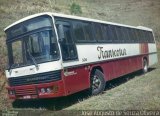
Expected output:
{"points": [[97, 82], [145, 66]]}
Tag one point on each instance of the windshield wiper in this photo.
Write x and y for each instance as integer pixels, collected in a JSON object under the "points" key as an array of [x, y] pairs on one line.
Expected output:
{"points": [[33, 59]]}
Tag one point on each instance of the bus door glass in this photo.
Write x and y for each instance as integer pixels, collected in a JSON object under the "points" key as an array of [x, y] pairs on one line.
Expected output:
{"points": [[67, 44]]}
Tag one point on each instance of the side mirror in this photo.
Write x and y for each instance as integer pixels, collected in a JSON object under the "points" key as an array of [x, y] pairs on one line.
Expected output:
{"points": [[60, 33]]}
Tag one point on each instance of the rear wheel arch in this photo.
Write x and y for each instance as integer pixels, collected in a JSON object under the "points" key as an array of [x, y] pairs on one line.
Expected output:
{"points": [[94, 68], [145, 58]]}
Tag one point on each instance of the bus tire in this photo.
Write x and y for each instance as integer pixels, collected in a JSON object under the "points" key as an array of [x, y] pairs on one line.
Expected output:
{"points": [[145, 66], [97, 82]]}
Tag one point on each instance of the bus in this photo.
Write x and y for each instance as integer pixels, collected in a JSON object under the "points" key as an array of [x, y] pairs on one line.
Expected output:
{"points": [[53, 55]]}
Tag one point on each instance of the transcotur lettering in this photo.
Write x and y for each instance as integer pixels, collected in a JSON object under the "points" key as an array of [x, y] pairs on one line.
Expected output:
{"points": [[103, 54]]}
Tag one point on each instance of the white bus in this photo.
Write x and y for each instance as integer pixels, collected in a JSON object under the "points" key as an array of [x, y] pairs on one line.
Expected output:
{"points": [[53, 55]]}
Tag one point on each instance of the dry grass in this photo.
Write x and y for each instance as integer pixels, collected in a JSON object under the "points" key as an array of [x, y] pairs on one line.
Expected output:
{"points": [[5, 103], [140, 93]]}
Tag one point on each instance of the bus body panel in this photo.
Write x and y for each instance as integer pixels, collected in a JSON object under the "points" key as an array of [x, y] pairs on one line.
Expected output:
{"points": [[30, 70], [114, 59], [33, 91], [153, 56], [76, 79], [94, 53]]}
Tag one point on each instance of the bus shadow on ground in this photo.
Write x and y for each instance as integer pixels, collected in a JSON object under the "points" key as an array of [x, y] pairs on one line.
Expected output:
{"points": [[64, 102]]}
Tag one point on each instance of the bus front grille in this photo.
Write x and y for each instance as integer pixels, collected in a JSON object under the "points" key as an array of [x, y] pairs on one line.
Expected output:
{"points": [[26, 91], [35, 79]]}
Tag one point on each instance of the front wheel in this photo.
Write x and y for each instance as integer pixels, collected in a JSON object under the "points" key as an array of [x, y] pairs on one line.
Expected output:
{"points": [[97, 82], [145, 66]]}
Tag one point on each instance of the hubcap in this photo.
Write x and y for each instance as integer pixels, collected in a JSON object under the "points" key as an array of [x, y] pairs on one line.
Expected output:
{"points": [[96, 83], [145, 66]]}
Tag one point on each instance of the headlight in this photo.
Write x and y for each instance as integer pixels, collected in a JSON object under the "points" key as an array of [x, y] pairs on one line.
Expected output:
{"points": [[48, 90], [11, 92], [43, 90]]}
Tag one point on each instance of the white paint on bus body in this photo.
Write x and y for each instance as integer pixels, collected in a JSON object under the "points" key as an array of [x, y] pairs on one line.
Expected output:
{"points": [[153, 58], [30, 70], [92, 53]]}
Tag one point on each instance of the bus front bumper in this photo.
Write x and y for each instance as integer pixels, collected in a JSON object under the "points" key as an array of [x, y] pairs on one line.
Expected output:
{"points": [[35, 91]]}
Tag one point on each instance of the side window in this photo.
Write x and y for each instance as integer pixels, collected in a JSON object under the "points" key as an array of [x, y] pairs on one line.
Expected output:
{"points": [[88, 31], [131, 35], [98, 32], [147, 36], [136, 35], [144, 36], [113, 33], [67, 44], [120, 35], [106, 34], [82, 31], [135, 38], [68, 47], [140, 36], [126, 34], [78, 31], [151, 38]]}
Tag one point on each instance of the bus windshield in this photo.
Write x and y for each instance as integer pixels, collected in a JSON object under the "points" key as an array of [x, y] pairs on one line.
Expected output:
{"points": [[32, 45]]}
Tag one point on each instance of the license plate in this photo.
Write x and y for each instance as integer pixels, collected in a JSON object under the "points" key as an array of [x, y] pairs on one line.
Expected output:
{"points": [[27, 97]]}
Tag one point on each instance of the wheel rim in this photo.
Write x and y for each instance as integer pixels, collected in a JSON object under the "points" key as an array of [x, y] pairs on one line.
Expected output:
{"points": [[145, 66], [96, 83]]}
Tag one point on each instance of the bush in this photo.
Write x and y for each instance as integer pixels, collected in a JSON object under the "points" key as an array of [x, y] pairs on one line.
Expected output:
{"points": [[75, 9]]}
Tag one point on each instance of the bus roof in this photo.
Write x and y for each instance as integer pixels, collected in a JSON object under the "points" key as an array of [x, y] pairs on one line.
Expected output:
{"points": [[75, 17]]}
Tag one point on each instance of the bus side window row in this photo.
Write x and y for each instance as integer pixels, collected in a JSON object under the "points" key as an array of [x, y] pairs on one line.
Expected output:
{"points": [[118, 34], [86, 32]]}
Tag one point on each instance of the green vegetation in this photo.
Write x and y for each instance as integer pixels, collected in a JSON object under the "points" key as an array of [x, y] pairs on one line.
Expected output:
{"points": [[75, 9]]}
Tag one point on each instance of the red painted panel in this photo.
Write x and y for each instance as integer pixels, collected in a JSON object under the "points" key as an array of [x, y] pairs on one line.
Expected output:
{"points": [[33, 90], [77, 81], [108, 70], [120, 67], [144, 48]]}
